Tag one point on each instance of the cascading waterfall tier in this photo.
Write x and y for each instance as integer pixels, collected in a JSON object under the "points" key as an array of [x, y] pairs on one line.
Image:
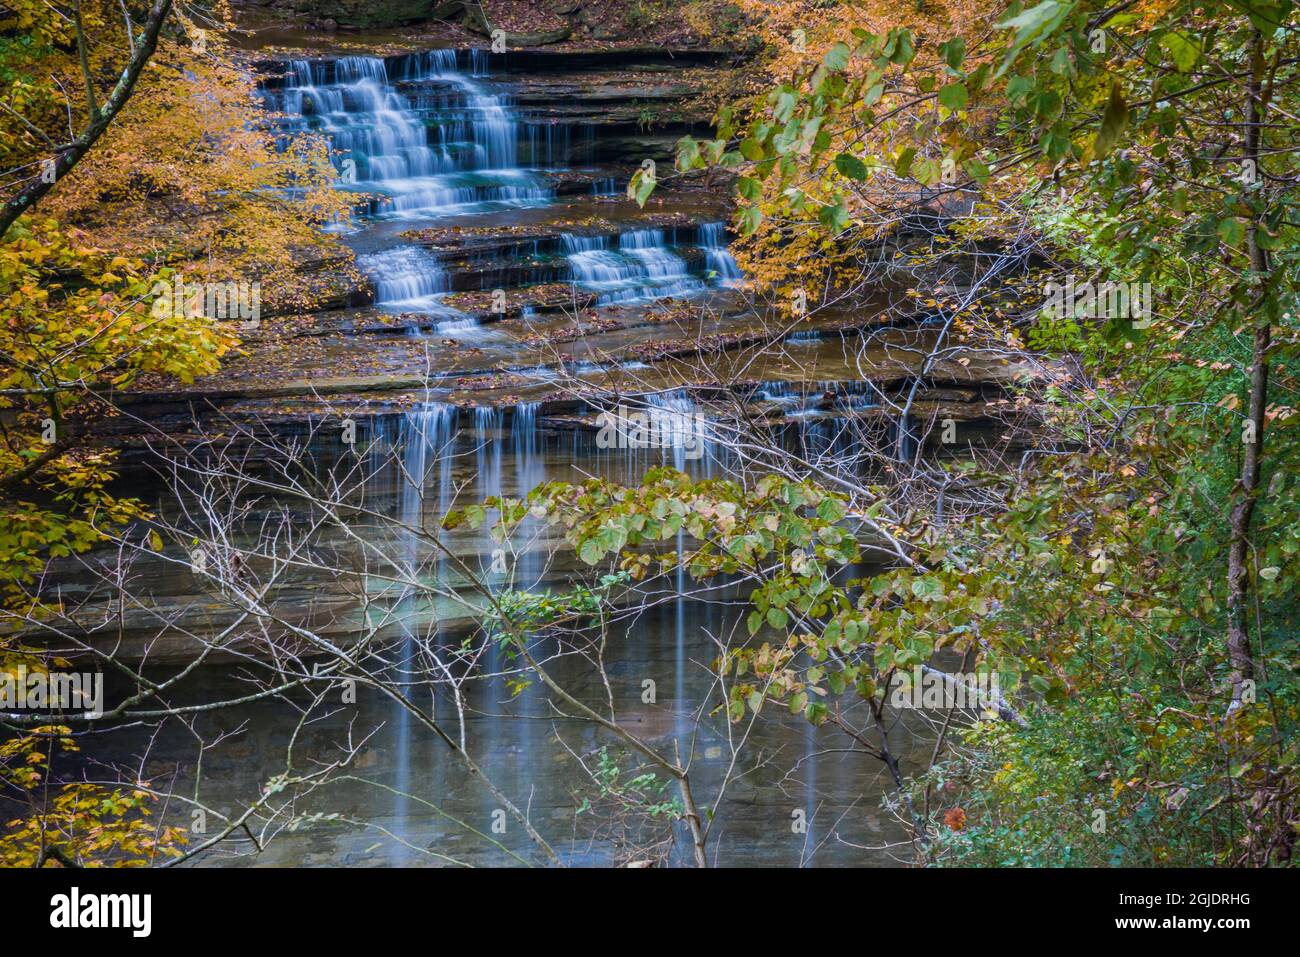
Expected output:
{"points": [[423, 137], [643, 264], [410, 279], [426, 139], [421, 133], [713, 240]]}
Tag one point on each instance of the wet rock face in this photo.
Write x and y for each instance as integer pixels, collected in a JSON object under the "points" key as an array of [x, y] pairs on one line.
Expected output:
{"points": [[369, 13], [510, 169], [498, 258], [521, 25]]}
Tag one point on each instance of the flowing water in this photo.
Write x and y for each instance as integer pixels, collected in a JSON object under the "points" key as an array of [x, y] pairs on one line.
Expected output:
{"points": [[425, 138], [431, 139], [799, 796]]}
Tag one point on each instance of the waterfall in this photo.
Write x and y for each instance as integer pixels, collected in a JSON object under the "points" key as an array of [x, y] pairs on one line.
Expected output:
{"points": [[643, 266], [780, 393], [410, 279], [469, 115], [713, 240], [530, 558], [424, 438], [489, 423], [906, 440], [427, 140], [530, 468], [530, 471], [424, 137], [677, 426], [405, 276]]}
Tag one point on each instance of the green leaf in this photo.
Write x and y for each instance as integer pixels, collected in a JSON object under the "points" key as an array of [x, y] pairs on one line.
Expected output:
{"points": [[736, 709], [1055, 143], [688, 154], [750, 217], [927, 171], [641, 186], [905, 50], [1046, 103], [1231, 231], [903, 164], [927, 589], [978, 171], [837, 57], [1184, 51], [954, 51], [752, 149], [954, 96], [1035, 18], [835, 217], [786, 101], [830, 509], [851, 166], [1019, 88], [1032, 27]]}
